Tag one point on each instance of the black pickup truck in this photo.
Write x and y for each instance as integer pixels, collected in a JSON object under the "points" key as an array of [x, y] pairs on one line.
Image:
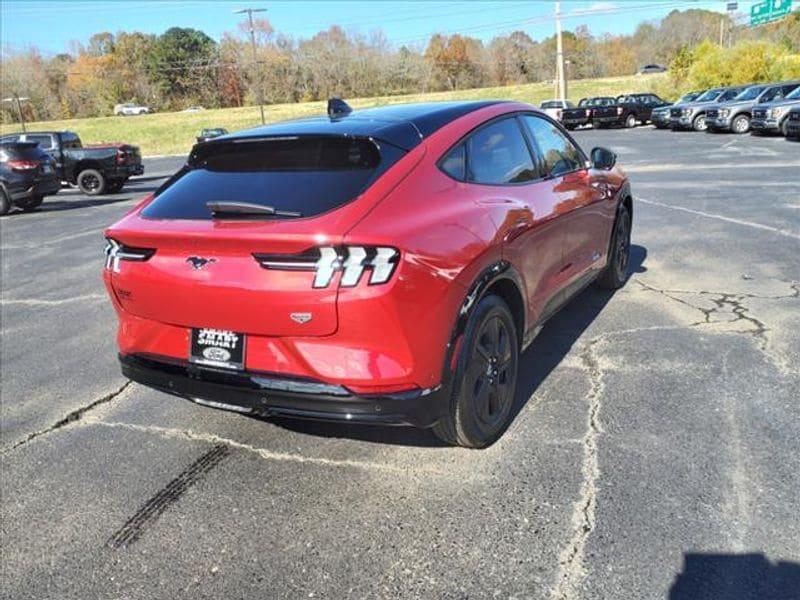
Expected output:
{"points": [[627, 111], [582, 114], [94, 169]]}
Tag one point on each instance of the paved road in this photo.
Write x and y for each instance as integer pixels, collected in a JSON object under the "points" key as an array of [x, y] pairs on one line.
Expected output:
{"points": [[656, 449]]}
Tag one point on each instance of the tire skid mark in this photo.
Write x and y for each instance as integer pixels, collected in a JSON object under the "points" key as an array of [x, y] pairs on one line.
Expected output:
{"points": [[151, 510]]}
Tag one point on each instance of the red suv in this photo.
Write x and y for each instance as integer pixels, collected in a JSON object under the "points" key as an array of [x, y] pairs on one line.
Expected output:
{"points": [[379, 266]]}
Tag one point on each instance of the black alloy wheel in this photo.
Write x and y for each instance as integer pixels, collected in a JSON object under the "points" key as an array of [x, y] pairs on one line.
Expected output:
{"points": [[616, 272], [485, 380], [91, 182]]}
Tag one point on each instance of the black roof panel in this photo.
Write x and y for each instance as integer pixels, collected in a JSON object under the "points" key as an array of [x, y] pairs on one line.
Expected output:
{"points": [[403, 125]]}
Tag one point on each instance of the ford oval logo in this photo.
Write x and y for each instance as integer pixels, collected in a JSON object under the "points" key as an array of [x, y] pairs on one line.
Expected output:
{"points": [[218, 354]]}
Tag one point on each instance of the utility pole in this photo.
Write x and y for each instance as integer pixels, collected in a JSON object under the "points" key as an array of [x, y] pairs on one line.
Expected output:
{"points": [[259, 82], [16, 100], [561, 83]]}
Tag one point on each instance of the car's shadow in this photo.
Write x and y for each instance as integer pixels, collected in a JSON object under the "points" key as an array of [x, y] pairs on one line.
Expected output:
{"points": [[545, 353], [735, 577]]}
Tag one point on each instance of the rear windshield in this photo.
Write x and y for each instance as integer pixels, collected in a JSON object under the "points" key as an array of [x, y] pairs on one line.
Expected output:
{"points": [[309, 175], [22, 151], [552, 104]]}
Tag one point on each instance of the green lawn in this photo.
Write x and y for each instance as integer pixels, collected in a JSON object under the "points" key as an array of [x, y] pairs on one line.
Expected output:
{"points": [[174, 133]]}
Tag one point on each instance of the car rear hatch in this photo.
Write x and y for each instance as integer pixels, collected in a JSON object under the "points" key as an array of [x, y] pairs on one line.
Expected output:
{"points": [[27, 159], [241, 238]]}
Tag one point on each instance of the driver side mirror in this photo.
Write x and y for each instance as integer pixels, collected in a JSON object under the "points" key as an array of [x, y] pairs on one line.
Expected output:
{"points": [[603, 158]]}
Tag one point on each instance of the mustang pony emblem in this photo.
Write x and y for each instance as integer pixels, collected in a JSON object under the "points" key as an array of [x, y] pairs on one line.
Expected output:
{"points": [[198, 262]]}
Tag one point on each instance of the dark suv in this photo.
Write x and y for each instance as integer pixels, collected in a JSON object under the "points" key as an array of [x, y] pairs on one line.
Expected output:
{"points": [[27, 175]]}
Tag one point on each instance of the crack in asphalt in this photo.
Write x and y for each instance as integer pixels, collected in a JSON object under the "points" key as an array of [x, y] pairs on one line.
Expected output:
{"points": [[75, 415], [56, 302], [572, 570], [729, 303], [174, 433]]}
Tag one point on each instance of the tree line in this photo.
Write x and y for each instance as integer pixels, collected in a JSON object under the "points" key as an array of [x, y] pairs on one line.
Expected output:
{"points": [[185, 67]]}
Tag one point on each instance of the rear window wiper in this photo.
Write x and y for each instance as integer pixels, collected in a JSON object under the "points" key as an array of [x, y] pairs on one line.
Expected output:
{"points": [[247, 209]]}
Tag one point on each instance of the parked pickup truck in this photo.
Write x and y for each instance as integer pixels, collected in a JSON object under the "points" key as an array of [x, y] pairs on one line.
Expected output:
{"points": [[736, 114], [692, 115], [793, 124], [628, 110], [554, 108], [773, 117], [95, 169], [660, 116], [582, 115]]}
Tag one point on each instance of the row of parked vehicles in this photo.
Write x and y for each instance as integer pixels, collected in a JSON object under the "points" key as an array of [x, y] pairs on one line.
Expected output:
{"points": [[757, 108], [34, 165]]}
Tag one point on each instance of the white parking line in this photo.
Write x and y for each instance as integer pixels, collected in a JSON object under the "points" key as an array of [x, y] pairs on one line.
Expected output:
{"points": [[700, 213]]}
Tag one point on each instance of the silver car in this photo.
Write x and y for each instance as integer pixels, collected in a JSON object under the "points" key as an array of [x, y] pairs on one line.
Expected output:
{"points": [[735, 115], [692, 115]]}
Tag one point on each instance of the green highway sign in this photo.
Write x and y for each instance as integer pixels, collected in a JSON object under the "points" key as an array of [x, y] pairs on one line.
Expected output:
{"points": [[769, 10]]}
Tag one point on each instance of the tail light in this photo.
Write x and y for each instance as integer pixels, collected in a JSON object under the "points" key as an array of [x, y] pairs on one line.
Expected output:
{"points": [[352, 261], [122, 156], [588, 112], [559, 112], [23, 165], [619, 110], [115, 252]]}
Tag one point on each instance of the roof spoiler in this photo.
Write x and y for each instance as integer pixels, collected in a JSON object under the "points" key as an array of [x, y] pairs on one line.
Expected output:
{"points": [[338, 108]]}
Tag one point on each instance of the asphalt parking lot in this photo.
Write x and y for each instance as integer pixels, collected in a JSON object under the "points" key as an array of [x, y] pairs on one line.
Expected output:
{"points": [[655, 452]]}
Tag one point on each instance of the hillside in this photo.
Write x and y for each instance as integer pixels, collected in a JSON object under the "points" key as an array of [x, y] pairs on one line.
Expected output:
{"points": [[174, 133]]}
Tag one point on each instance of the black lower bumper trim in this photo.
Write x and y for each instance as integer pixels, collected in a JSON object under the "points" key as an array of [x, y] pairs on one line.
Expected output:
{"points": [[267, 396]]}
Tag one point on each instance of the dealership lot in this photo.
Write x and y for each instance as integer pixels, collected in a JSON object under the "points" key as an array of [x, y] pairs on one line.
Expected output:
{"points": [[656, 445]]}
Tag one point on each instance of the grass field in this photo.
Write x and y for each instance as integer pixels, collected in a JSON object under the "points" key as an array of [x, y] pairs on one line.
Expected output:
{"points": [[174, 133]]}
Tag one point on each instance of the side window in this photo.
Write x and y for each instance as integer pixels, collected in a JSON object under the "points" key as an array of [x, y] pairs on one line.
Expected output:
{"points": [[455, 163], [497, 154], [560, 155], [9, 138], [45, 141], [730, 95]]}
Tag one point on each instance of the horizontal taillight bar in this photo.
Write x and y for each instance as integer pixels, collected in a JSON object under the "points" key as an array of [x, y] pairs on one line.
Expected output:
{"points": [[352, 261], [23, 165], [115, 252]]}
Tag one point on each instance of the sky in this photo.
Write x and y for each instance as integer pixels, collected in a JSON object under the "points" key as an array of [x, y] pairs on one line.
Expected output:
{"points": [[51, 24]]}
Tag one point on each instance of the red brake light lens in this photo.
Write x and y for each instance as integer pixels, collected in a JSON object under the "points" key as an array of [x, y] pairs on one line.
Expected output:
{"points": [[23, 165]]}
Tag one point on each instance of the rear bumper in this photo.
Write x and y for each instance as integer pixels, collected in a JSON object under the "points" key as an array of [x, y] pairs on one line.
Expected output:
{"points": [[272, 395], [615, 120], [125, 171], [24, 191], [576, 121]]}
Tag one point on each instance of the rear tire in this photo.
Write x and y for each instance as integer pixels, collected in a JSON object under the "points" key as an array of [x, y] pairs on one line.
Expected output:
{"points": [[616, 272], [91, 182], [5, 202], [740, 124], [484, 384], [31, 203]]}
